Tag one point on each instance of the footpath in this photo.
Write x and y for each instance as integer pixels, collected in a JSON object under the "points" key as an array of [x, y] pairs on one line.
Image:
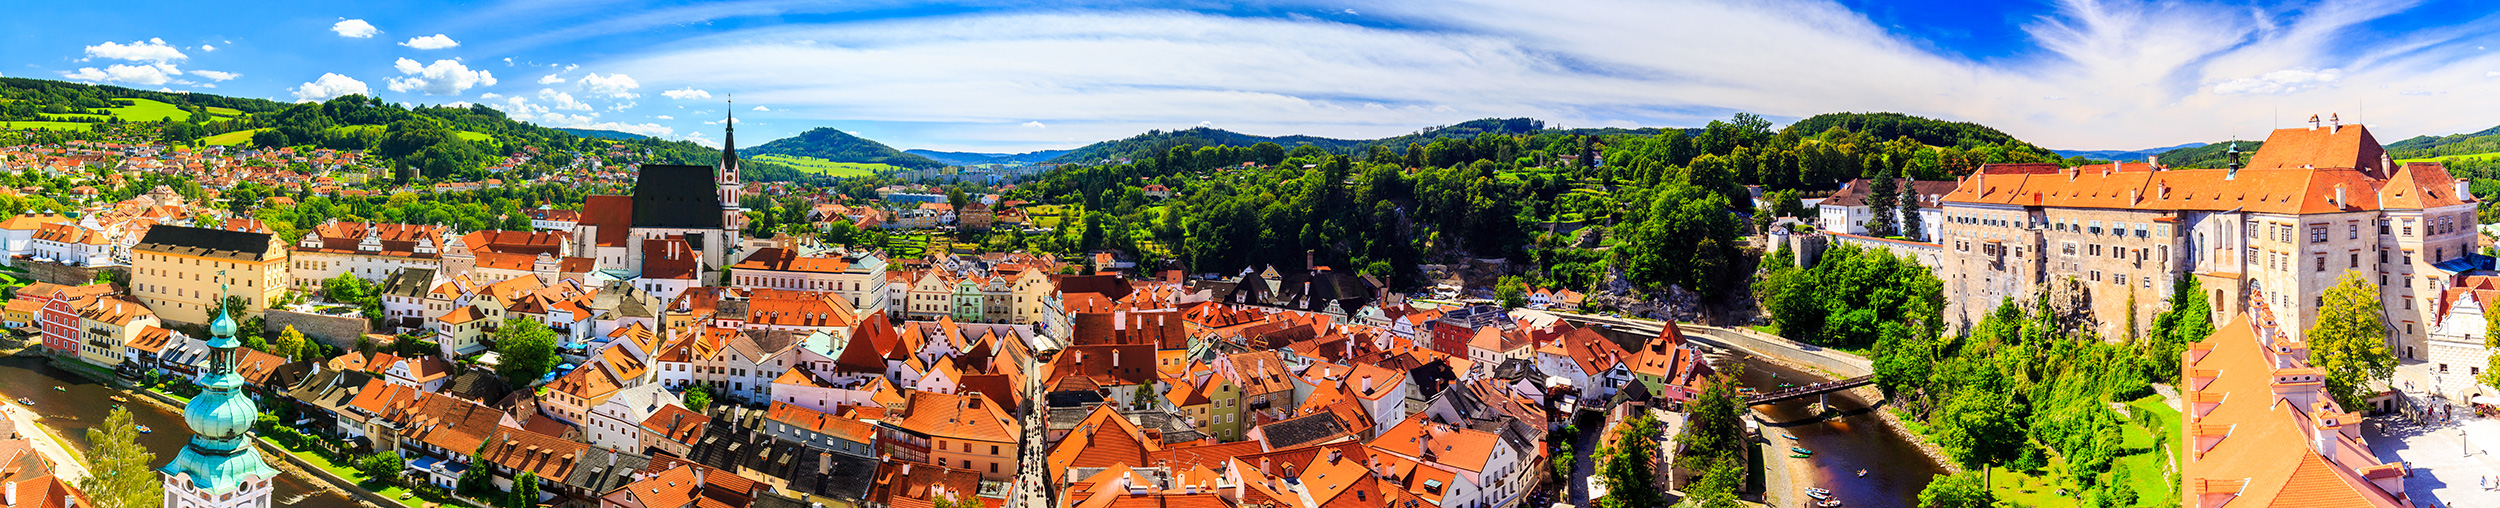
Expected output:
{"points": [[69, 466]]}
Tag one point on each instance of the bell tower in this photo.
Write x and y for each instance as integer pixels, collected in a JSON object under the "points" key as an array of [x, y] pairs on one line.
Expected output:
{"points": [[731, 218]]}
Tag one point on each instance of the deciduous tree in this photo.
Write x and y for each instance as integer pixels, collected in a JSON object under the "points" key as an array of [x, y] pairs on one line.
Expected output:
{"points": [[119, 473], [2349, 341], [528, 351]]}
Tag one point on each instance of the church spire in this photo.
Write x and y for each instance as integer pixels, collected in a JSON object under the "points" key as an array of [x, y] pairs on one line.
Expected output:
{"points": [[729, 138]]}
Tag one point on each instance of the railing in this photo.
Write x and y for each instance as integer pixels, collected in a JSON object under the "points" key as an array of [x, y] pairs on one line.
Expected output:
{"points": [[1809, 390]]}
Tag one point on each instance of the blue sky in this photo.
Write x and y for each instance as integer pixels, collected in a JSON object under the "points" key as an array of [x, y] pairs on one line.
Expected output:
{"points": [[1019, 76]]}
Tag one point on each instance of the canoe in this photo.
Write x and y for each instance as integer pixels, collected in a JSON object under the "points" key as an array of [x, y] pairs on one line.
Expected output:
{"points": [[1800, 450], [1798, 455]]}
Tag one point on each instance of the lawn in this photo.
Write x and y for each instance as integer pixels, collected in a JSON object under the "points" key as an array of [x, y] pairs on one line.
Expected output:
{"points": [[2150, 469], [224, 111], [826, 167], [58, 126], [232, 138], [907, 246], [473, 136], [143, 110], [343, 471]]}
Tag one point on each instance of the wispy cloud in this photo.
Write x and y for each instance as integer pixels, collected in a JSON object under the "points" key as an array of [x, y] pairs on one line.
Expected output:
{"points": [[2105, 73]]}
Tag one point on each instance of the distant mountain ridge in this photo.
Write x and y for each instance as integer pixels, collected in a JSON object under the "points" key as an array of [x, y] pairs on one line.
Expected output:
{"points": [[596, 133], [834, 145], [2124, 155], [971, 158]]}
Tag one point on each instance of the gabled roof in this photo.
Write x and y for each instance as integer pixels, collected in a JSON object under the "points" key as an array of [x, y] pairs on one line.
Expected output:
{"points": [[957, 416], [1102, 439]]}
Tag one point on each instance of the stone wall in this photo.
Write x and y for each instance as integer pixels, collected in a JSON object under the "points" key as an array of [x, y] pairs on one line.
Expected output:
{"points": [[67, 275], [339, 331]]}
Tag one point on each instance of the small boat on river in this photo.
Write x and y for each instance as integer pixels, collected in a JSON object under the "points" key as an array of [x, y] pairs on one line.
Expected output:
{"points": [[1801, 450], [1818, 494], [28, 402], [143, 429]]}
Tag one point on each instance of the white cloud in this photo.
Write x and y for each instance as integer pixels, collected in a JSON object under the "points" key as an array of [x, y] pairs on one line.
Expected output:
{"points": [[2279, 82], [1037, 124], [436, 41], [692, 93], [151, 50], [665, 117], [458, 104], [621, 106], [204, 48], [355, 28], [147, 75], [443, 77], [489, 96], [216, 75], [618, 86], [329, 86], [761, 108], [550, 79], [562, 100]]}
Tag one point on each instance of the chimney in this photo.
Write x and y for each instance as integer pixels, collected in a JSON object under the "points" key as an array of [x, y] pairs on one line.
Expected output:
{"points": [[2463, 192], [2152, 162], [1367, 384], [10, 496], [2339, 197], [1265, 468], [2335, 123]]}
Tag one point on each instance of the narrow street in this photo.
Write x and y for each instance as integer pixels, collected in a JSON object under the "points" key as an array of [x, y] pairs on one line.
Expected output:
{"points": [[1584, 466]]}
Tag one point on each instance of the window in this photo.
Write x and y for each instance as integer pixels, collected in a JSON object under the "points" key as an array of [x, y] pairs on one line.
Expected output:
{"points": [[2356, 260], [2321, 264], [2317, 234]]}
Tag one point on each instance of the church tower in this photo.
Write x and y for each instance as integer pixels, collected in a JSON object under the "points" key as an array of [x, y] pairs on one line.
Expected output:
{"points": [[219, 468], [731, 219]]}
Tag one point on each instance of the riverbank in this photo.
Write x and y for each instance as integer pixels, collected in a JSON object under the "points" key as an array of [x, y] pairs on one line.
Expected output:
{"points": [[69, 466]]}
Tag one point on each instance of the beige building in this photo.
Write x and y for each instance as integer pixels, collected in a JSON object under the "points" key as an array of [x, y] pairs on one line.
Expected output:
{"points": [[180, 272], [2314, 204], [368, 251]]}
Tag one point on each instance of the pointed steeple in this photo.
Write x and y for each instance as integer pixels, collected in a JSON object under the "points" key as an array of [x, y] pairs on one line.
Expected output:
{"points": [[729, 138]]}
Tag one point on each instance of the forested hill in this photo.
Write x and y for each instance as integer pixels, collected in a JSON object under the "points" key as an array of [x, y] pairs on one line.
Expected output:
{"points": [[834, 145], [1157, 142], [2424, 147], [1887, 126], [2208, 156]]}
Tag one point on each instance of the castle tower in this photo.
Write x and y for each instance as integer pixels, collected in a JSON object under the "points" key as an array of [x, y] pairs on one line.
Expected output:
{"points": [[220, 468]]}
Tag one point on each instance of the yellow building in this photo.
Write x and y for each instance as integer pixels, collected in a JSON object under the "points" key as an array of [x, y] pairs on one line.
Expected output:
{"points": [[180, 271]]}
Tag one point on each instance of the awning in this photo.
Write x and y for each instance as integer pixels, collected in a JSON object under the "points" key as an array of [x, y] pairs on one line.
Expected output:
{"points": [[2486, 400]]}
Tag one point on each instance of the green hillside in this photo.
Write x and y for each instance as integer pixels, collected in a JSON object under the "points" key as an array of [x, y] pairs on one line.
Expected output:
{"points": [[231, 138], [826, 167], [831, 145]]}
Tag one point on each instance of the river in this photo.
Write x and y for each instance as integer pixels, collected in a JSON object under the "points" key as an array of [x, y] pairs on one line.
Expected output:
{"points": [[84, 404], [1895, 469]]}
